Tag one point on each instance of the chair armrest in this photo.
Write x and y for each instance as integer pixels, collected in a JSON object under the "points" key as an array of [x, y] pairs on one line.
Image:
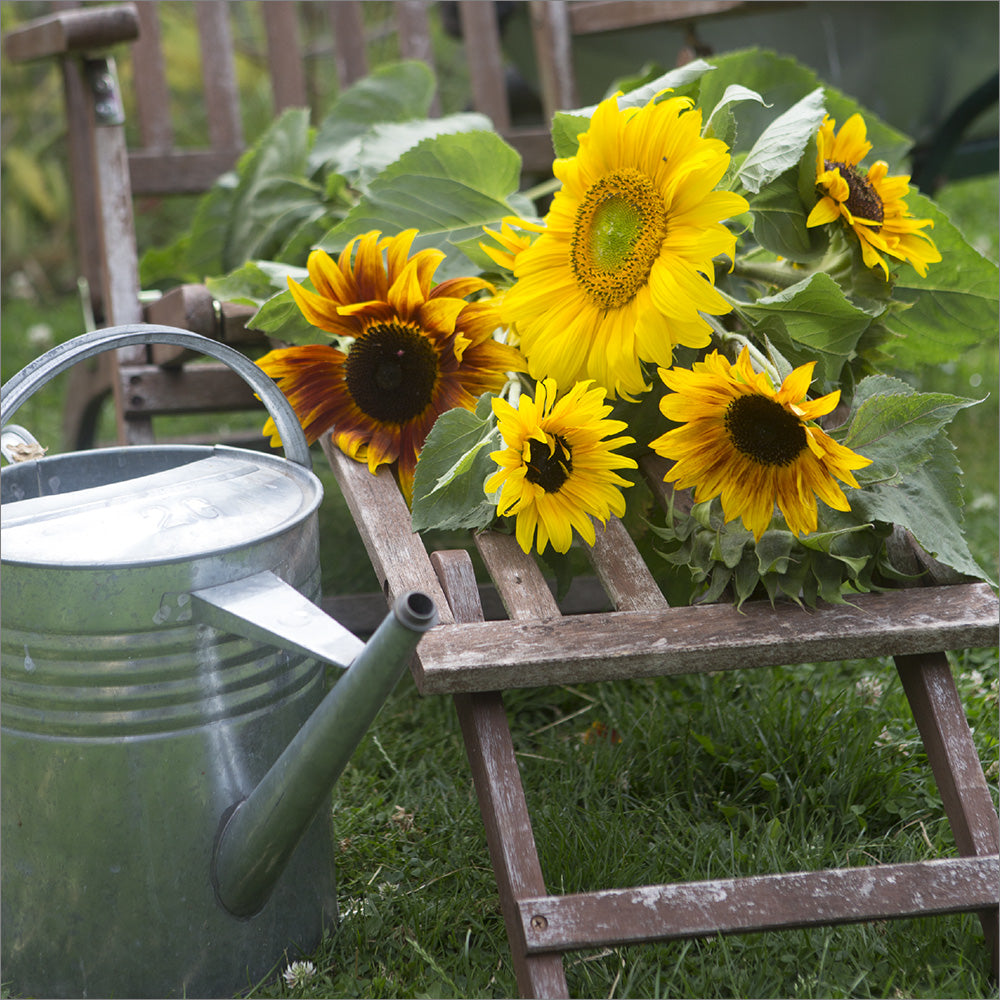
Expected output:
{"points": [[72, 31]]}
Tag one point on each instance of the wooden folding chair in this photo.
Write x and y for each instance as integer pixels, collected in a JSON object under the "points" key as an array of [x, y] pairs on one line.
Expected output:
{"points": [[475, 661]]}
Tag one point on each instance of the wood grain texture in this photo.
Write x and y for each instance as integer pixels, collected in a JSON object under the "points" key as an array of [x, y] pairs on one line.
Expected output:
{"points": [[768, 902], [581, 648]]}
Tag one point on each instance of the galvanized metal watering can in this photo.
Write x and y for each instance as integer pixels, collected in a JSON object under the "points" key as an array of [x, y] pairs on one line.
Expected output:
{"points": [[168, 744]]}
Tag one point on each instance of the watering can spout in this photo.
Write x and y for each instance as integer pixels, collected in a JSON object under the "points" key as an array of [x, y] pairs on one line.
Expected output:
{"points": [[259, 834]]}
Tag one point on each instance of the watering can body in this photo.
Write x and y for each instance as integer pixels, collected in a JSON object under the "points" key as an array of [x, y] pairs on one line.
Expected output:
{"points": [[168, 739]]}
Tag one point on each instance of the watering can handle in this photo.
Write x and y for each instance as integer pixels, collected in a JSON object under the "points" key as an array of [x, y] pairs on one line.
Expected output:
{"points": [[22, 385]]}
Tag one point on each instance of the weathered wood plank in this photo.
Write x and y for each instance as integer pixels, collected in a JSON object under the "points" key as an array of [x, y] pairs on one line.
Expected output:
{"points": [[68, 31], [621, 570], [149, 390], [520, 583], [767, 902], [397, 554], [502, 804], [498, 655], [592, 16]]}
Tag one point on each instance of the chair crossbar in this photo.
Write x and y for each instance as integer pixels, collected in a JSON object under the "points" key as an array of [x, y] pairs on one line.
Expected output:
{"points": [[759, 903], [486, 656]]}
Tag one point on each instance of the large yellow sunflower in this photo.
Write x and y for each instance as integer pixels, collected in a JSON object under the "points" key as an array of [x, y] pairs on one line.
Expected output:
{"points": [[415, 351], [871, 204], [754, 446], [623, 266], [556, 466]]}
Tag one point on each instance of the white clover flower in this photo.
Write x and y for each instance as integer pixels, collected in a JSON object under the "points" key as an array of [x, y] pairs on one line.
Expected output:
{"points": [[298, 974]]}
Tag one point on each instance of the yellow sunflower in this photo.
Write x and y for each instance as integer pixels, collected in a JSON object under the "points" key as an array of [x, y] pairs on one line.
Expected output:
{"points": [[871, 204], [754, 446], [556, 466], [415, 351], [623, 265]]}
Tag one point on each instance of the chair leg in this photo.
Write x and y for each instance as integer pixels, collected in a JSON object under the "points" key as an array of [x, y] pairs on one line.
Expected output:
{"points": [[509, 835], [937, 709], [90, 385], [497, 779]]}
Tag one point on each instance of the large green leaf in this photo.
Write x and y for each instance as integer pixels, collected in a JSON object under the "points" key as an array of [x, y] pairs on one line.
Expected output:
{"points": [[954, 307], [781, 144], [447, 187], [812, 321], [255, 282], [567, 125], [782, 82], [896, 426], [928, 502], [454, 462], [397, 92]]}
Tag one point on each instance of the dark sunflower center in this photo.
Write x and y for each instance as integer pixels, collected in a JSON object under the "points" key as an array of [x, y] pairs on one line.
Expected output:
{"points": [[617, 234], [549, 467], [863, 201], [764, 431], [391, 371]]}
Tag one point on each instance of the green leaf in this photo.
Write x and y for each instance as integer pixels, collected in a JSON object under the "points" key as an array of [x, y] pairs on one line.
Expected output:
{"points": [[928, 502], [567, 125], [783, 81], [454, 462], [779, 219], [723, 127], [780, 146], [954, 307], [397, 92], [383, 144], [255, 282], [271, 185], [447, 187], [896, 426], [812, 320], [281, 318]]}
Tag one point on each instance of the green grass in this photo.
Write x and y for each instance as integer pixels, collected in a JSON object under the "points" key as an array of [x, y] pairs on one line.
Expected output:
{"points": [[715, 776]]}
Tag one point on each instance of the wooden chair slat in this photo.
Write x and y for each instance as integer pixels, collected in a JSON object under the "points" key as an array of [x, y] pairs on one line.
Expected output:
{"points": [[199, 388], [759, 903], [149, 73], [622, 570], [72, 31], [483, 55], [349, 39], [593, 16], [519, 581], [497, 779], [930, 688], [582, 648], [178, 172], [550, 25], [380, 513], [288, 76], [218, 68]]}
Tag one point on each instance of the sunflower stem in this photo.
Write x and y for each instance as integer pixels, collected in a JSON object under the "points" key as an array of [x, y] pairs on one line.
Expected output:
{"points": [[542, 189], [759, 358], [773, 274]]}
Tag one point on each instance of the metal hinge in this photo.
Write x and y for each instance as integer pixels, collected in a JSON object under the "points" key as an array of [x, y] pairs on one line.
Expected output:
{"points": [[102, 77]]}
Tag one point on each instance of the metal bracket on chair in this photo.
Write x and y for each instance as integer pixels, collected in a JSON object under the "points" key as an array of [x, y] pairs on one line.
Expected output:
{"points": [[102, 78]]}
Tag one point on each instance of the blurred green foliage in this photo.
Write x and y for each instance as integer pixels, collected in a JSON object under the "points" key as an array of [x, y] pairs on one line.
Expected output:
{"points": [[38, 256]]}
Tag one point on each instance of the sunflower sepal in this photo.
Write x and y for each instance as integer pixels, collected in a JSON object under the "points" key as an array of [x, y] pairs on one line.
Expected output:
{"points": [[845, 557]]}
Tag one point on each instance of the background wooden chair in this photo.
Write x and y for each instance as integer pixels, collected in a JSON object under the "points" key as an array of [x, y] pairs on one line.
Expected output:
{"points": [[107, 173]]}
